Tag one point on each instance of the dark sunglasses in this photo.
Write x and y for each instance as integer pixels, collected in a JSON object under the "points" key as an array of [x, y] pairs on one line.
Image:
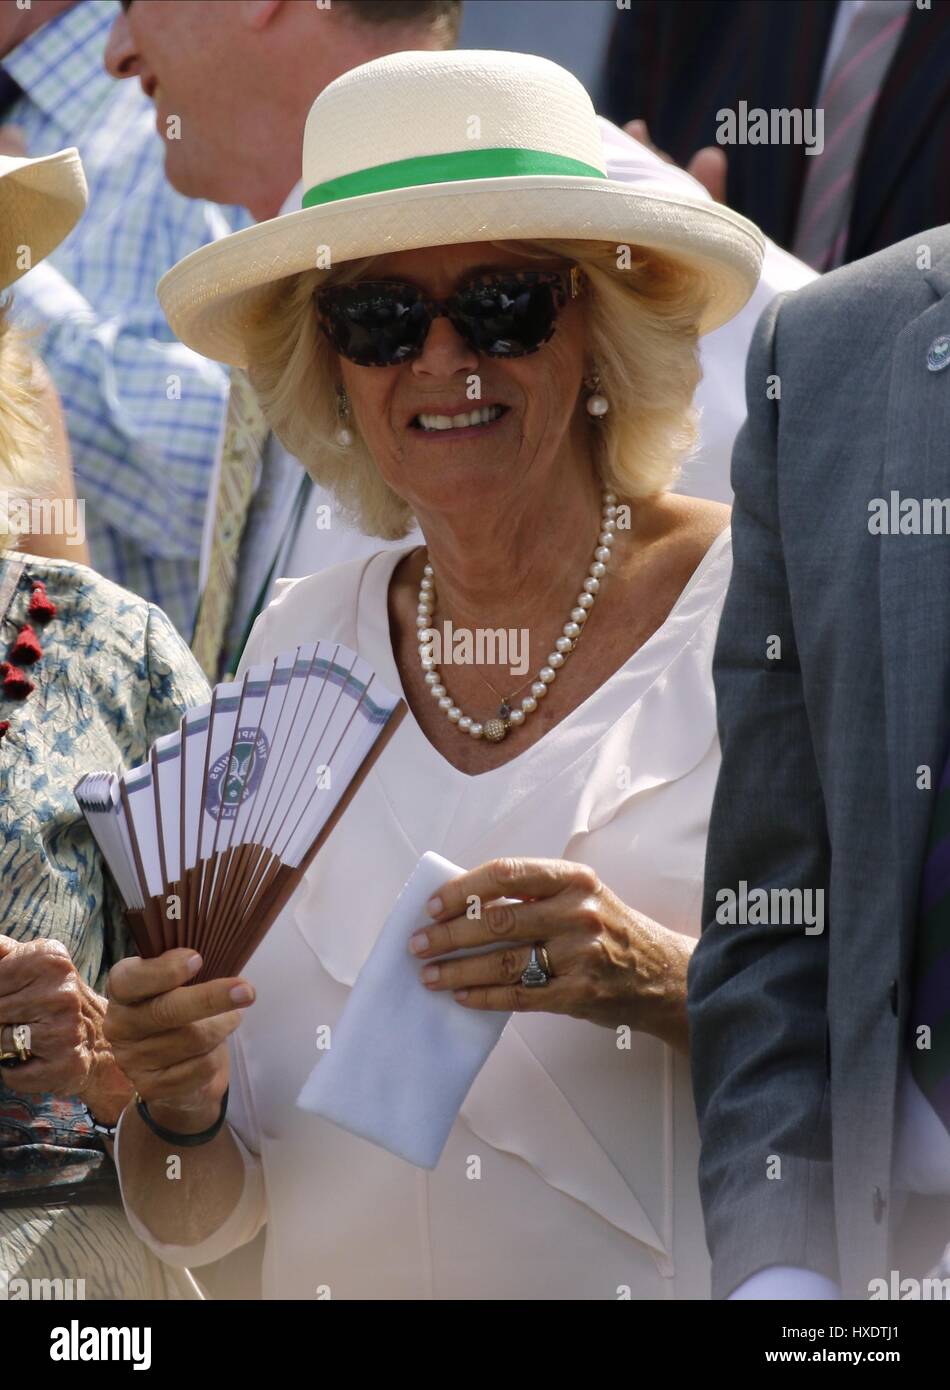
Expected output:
{"points": [[381, 323]]}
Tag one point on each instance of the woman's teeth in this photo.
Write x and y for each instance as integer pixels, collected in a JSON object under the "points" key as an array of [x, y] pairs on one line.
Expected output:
{"points": [[482, 416]]}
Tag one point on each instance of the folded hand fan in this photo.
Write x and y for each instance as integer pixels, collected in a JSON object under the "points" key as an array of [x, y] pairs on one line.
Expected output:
{"points": [[207, 840]]}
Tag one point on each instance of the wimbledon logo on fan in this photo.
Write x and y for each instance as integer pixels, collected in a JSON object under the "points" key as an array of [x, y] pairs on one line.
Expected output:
{"points": [[236, 774]]}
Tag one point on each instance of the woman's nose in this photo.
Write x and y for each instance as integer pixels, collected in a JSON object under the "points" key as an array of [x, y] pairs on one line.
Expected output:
{"points": [[444, 351], [121, 59]]}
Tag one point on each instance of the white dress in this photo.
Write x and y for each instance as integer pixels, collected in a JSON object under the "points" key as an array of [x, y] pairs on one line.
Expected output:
{"points": [[586, 1181]]}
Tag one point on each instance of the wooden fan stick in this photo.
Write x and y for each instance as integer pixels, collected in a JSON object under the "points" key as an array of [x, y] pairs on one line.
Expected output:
{"points": [[213, 879], [171, 923], [185, 883], [286, 877], [269, 835], [208, 870], [173, 930], [241, 922], [244, 860], [252, 835], [215, 882], [282, 879], [245, 855], [224, 848], [250, 864], [135, 917], [260, 868], [234, 925], [231, 932], [197, 894], [215, 864], [155, 939], [266, 867], [259, 890], [148, 925], [219, 887], [191, 877]]}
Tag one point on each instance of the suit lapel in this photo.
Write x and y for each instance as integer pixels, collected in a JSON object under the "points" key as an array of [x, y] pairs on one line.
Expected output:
{"points": [[915, 589]]}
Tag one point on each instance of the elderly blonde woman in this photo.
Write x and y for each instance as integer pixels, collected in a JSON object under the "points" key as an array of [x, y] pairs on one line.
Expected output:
{"points": [[504, 349], [91, 675]]}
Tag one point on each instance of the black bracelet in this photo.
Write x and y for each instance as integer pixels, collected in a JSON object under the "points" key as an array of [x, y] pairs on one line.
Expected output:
{"points": [[187, 1141], [107, 1131]]}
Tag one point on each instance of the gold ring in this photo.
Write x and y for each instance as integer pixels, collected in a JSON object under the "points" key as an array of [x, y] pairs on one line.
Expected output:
{"points": [[21, 1041]]}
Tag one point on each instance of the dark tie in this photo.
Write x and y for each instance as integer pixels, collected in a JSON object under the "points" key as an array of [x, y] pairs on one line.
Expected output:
{"points": [[10, 93], [930, 1010]]}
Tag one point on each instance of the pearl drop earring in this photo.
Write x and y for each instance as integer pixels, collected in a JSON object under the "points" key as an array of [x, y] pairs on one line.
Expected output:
{"points": [[344, 435], [597, 404]]}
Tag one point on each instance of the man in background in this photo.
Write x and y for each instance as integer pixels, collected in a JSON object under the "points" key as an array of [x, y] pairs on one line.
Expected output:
{"points": [[818, 998], [242, 144], [745, 81], [143, 412]]}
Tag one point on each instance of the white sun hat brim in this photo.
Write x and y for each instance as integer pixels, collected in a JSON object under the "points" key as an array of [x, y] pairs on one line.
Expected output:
{"points": [[215, 294], [409, 111], [41, 200]]}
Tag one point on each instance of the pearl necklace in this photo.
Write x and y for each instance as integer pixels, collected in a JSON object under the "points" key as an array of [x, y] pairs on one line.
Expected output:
{"points": [[509, 717]]}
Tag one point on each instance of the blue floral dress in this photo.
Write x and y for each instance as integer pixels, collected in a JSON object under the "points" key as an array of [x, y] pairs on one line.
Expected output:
{"points": [[113, 675]]}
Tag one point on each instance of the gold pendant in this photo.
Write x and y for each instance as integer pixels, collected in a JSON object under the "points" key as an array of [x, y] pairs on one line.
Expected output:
{"points": [[494, 730]]}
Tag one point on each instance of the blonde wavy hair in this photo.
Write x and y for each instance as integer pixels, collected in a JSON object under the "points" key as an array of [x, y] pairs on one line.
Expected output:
{"points": [[22, 433], [641, 334]]}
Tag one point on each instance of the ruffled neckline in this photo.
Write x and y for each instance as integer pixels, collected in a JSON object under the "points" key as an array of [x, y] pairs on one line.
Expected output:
{"points": [[615, 696], [655, 716]]}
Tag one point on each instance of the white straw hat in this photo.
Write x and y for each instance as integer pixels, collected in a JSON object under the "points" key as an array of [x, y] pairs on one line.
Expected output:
{"points": [[439, 148], [41, 200]]}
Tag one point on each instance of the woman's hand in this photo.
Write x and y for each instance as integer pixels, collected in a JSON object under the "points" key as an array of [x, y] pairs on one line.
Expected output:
{"points": [[169, 1037], [40, 986], [609, 964]]}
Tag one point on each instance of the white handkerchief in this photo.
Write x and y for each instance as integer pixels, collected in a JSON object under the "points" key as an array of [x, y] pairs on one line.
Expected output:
{"points": [[402, 1059]]}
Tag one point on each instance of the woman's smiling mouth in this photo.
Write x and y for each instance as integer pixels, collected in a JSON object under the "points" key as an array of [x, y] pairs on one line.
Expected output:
{"points": [[461, 426]]}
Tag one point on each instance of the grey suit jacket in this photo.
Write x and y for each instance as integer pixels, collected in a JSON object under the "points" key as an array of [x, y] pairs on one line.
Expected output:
{"points": [[797, 1037]]}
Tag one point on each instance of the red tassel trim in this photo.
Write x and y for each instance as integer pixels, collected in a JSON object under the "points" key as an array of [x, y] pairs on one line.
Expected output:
{"points": [[41, 608], [16, 683], [26, 649]]}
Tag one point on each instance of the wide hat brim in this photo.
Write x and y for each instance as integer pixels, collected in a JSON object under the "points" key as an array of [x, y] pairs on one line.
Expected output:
{"points": [[41, 200], [214, 296]]}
